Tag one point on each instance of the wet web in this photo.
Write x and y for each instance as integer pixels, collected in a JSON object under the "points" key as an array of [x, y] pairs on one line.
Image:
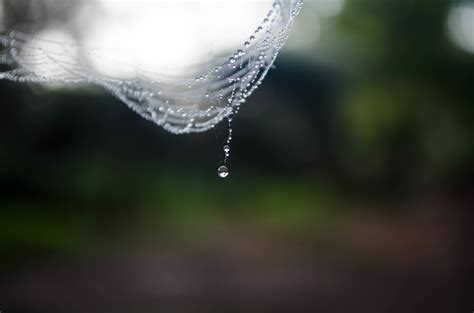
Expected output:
{"points": [[186, 102]]}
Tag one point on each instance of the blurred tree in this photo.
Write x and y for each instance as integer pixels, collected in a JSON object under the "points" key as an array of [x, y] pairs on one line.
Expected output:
{"points": [[408, 112]]}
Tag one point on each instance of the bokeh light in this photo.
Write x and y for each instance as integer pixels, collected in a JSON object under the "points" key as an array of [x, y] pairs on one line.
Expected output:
{"points": [[461, 26]]}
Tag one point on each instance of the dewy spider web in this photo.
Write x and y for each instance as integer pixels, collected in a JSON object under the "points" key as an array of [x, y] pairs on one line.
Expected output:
{"points": [[185, 105]]}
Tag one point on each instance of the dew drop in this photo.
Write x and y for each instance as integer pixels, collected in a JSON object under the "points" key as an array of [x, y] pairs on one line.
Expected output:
{"points": [[226, 149], [223, 171]]}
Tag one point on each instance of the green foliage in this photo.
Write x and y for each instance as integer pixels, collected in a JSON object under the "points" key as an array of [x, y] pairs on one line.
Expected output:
{"points": [[409, 100]]}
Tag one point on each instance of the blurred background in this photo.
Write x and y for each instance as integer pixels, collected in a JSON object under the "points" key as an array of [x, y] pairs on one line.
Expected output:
{"points": [[350, 187]]}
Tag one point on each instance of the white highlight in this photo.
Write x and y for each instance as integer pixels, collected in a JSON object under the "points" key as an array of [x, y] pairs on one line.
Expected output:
{"points": [[169, 37], [461, 26]]}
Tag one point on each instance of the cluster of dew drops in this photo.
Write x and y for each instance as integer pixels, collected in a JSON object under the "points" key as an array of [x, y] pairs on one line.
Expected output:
{"points": [[223, 170], [70, 71]]}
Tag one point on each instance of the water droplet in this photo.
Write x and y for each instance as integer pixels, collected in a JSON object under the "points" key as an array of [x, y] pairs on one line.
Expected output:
{"points": [[226, 149], [223, 171]]}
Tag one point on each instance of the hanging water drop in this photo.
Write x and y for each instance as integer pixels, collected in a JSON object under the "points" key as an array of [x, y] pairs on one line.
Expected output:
{"points": [[223, 171]]}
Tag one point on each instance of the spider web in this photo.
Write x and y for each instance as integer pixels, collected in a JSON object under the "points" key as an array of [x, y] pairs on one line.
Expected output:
{"points": [[183, 105]]}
